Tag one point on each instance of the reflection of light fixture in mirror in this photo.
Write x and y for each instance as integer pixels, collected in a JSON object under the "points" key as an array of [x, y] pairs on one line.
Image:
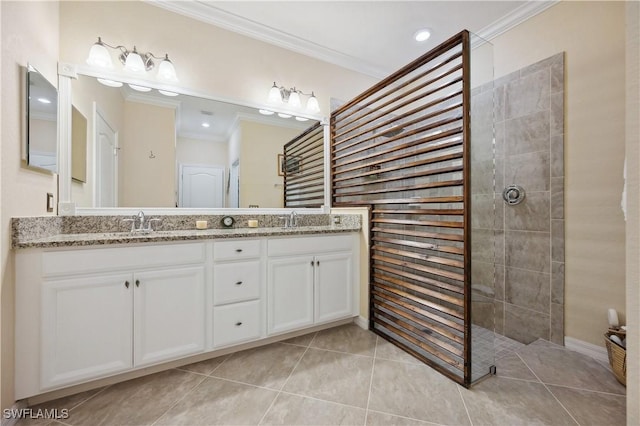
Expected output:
{"points": [[302, 119], [265, 112], [140, 88], [166, 93], [44, 101], [279, 95], [133, 61], [206, 125], [422, 35], [281, 115], [110, 83]]}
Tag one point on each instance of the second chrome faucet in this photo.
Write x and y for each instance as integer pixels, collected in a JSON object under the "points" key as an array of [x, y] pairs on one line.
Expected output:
{"points": [[139, 219]]}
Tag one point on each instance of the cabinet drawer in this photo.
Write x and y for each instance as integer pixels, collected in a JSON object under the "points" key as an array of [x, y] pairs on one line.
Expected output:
{"points": [[236, 323], [236, 282], [310, 245], [239, 249], [119, 258]]}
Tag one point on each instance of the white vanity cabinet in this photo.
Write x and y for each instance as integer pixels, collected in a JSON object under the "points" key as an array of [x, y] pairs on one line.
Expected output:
{"points": [[311, 280], [238, 287], [97, 312]]}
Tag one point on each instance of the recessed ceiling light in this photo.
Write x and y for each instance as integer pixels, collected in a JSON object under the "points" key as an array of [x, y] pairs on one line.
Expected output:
{"points": [[44, 100], [206, 125], [422, 35]]}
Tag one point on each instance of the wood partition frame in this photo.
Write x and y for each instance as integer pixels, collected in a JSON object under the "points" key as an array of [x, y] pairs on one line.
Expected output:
{"points": [[402, 148]]}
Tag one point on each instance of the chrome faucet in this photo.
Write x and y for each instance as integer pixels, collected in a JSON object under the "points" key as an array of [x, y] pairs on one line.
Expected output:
{"points": [[293, 219], [140, 218]]}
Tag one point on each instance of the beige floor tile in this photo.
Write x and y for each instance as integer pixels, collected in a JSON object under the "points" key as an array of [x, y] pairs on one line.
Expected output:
{"points": [[567, 368], [416, 391], [267, 366], [298, 410], [389, 351], [382, 419], [348, 338], [513, 367], [220, 402], [592, 408], [204, 367], [135, 402], [332, 376], [66, 403], [501, 401], [303, 340]]}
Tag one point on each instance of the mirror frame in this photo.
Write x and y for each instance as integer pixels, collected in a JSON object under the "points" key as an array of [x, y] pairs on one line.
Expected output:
{"points": [[66, 206]]}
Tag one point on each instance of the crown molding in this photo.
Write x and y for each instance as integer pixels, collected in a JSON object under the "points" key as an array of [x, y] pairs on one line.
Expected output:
{"points": [[210, 14], [514, 18]]}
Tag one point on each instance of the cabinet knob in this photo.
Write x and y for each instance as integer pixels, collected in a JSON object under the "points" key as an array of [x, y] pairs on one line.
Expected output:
{"points": [[238, 250], [239, 323], [137, 283], [317, 263], [311, 262], [239, 283], [126, 284]]}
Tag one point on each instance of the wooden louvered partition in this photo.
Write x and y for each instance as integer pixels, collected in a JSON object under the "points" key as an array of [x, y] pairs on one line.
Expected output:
{"points": [[401, 148], [304, 169]]}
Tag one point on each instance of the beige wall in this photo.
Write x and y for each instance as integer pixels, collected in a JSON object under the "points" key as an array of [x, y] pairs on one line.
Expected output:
{"points": [[207, 58], [632, 129], [29, 34], [259, 181], [592, 35], [149, 131], [110, 104]]}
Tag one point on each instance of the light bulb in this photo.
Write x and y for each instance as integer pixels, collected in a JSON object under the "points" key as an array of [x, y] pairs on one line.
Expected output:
{"points": [[294, 99], [134, 62], [312, 104], [302, 119], [274, 95], [139, 88], [166, 71], [167, 93], [283, 115], [99, 56], [265, 112], [110, 83]]}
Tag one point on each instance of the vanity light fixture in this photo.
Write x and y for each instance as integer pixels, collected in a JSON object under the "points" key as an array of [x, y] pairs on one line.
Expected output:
{"points": [[110, 83], [44, 101], [265, 112], [133, 61], [140, 88], [279, 95]]}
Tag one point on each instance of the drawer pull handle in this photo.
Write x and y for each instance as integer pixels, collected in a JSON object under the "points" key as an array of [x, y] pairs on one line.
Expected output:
{"points": [[126, 284], [239, 323], [239, 283], [137, 283], [238, 250]]}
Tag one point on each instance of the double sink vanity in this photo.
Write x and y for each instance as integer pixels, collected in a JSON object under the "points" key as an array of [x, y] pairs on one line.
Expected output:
{"points": [[94, 299]]}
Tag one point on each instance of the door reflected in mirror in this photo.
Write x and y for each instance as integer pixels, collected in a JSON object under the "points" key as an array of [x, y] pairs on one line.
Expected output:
{"points": [[146, 149], [42, 122]]}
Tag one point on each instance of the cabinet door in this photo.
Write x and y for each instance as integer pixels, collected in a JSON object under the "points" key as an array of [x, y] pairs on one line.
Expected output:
{"points": [[289, 293], [169, 308], [86, 328], [333, 286]]}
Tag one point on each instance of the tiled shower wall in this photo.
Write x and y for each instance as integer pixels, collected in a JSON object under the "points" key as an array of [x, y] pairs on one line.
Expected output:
{"points": [[522, 295]]}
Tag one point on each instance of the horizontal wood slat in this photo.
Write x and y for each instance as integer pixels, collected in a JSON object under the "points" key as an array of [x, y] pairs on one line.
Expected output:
{"points": [[305, 154], [401, 149]]}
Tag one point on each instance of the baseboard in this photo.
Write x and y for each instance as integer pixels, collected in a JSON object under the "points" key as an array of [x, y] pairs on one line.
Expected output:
{"points": [[361, 322], [11, 421], [594, 351]]}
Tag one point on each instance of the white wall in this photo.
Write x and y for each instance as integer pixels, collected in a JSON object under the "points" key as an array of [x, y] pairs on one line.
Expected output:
{"points": [[29, 32]]}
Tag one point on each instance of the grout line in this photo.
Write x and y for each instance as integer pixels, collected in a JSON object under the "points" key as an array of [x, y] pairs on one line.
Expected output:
{"points": [[91, 397], [321, 400], [406, 418], [287, 380], [179, 399], [622, 395], [549, 390], [373, 368], [464, 404]]}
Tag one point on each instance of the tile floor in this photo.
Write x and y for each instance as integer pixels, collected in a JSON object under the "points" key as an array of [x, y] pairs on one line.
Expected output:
{"points": [[349, 376]]}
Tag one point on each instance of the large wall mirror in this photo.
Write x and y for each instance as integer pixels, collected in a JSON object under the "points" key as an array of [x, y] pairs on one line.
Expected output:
{"points": [[42, 122], [162, 149]]}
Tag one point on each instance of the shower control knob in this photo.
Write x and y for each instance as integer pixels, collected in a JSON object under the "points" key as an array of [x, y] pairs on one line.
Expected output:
{"points": [[513, 195]]}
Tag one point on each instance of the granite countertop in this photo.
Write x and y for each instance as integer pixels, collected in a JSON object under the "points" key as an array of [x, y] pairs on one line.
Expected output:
{"points": [[103, 238]]}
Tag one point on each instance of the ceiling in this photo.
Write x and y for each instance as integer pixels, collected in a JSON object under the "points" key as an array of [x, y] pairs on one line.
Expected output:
{"points": [[372, 37]]}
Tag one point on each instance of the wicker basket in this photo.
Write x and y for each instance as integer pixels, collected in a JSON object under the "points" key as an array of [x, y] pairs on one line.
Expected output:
{"points": [[617, 356]]}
